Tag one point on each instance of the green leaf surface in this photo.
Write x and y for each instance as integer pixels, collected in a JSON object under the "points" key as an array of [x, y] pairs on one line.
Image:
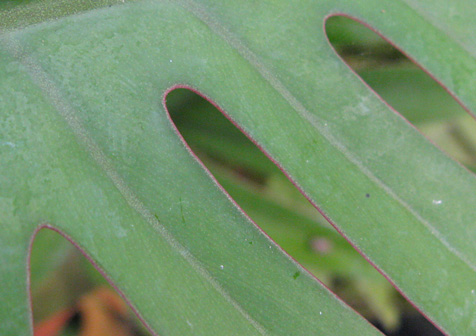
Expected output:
{"points": [[86, 147]]}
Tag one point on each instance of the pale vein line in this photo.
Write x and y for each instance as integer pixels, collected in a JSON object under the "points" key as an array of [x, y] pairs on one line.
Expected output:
{"points": [[254, 61], [50, 90], [450, 34]]}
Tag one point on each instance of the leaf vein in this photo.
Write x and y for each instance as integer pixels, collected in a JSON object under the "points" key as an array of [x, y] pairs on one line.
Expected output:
{"points": [[254, 61], [51, 92]]}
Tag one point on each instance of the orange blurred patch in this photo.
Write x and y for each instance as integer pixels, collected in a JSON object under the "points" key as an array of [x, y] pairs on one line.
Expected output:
{"points": [[103, 313]]}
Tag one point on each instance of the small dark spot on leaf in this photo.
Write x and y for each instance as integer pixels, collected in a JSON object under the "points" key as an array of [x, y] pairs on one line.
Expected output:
{"points": [[251, 243], [296, 275], [367, 195], [181, 210], [156, 217]]}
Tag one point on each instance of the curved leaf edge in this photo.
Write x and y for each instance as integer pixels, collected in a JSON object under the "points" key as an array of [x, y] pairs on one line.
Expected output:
{"points": [[279, 166], [94, 263], [443, 86]]}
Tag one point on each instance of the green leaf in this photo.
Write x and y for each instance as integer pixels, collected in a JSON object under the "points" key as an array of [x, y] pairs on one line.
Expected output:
{"points": [[87, 148]]}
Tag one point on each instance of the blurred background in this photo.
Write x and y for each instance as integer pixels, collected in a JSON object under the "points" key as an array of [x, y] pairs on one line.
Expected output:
{"points": [[71, 298]]}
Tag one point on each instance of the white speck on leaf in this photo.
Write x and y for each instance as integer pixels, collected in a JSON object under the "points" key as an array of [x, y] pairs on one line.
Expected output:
{"points": [[121, 232], [170, 61], [222, 267], [8, 143], [437, 202], [320, 313]]}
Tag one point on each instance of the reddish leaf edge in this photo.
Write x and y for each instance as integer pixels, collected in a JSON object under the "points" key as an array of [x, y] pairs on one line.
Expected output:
{"points": [[49, 226], [189, 87], [440, 83], [195, 90], [434, 78], [411, 59], [276, 163], [426, 71]]}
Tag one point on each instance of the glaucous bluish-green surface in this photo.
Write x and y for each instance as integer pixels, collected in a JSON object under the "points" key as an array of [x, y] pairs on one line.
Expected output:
{"points": [[86, 148]]}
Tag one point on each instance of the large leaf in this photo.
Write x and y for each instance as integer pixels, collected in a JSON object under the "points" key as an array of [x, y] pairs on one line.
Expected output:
{"points": [[87, 149]]}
